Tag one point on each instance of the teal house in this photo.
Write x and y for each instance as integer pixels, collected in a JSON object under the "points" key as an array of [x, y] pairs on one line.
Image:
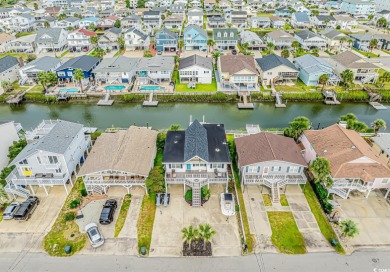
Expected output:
{"points": [[166, 40], [195, 38]]}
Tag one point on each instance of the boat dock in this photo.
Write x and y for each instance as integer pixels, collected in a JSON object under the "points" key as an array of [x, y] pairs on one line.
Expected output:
{"points": [[374, 98], [16, 98], [278, 99], [150, 102], [330, 97], [106, 101], [378, 106], [245, 105]]}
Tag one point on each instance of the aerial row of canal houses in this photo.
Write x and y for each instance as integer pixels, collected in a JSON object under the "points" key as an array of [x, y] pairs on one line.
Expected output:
{"points": [[197, 156]]}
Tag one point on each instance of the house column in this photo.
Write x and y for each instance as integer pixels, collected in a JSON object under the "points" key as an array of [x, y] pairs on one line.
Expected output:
{"points": [[44, 188], [66, 189], [31, 188], [368, 193], [387, 193]]}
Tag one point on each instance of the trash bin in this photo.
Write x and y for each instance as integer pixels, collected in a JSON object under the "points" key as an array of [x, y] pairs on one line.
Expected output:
{"points": [[334, 242], [143, 250], [68, 249]]}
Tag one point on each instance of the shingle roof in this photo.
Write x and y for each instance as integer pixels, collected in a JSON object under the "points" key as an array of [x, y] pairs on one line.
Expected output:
{"points": [[172, 34], [342, 147], [56, 141], [156, 63], [45, 63], [129, 151], [84, 63], [271, 61], [312, 64], [223, 31], [115, 30], [280, 35], [7, 62], [196, 60], [332, 33], [195, 142], [198, 29], [116, 64], [383, 141], [235, 63], [45, 35], [264, 146], [323, 18], [306, 34], [301, 17], [351, 60]]}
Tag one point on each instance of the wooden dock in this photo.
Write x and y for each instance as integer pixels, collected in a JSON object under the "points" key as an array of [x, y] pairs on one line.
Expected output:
{"points": [[150, 102], [106, 101], [278, 99], [245, 105], [330, 97], [16, 98], [378, 106]]}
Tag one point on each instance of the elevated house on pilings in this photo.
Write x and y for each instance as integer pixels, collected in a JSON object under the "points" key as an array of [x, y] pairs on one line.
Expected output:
{"points": [[354, 164], [270, 160], [122, 158], [54, 152], [197, 157]]}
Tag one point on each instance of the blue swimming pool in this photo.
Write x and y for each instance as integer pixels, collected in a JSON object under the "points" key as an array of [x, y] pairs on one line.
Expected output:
{"points": [[151, 88], [70, 90], [115, 88]]}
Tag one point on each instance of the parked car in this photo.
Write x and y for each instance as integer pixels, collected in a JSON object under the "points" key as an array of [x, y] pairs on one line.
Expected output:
{"points": [[10, 210], [167, 197], [26, 209], [159, 52], [234, 51], [95, 237], [108, 211]]}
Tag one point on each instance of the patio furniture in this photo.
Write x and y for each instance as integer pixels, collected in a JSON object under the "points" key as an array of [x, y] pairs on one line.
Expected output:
{"points": [[173, 173], [217, 174], [39, 175]]}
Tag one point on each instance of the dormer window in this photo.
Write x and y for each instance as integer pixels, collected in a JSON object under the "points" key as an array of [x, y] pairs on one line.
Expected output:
{"points": [[219, 34], [225, 34], [231, 35]]}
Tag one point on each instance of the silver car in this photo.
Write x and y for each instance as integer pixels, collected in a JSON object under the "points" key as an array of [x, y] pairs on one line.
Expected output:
{"points": [[10, 210], [94, 235]]}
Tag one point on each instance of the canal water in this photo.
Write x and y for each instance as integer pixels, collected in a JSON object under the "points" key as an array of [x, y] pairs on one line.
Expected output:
{"points": [[124, 115]]}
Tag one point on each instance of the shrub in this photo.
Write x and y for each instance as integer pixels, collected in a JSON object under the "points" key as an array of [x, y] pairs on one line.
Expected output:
{"points": [[322, 195], [70, 216], [74, 204], [161, 140], [188, 195], [237, 208], [83, 192]]}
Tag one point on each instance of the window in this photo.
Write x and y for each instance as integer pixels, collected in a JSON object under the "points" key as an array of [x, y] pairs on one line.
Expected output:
{"points": [[253, 169], [61, 73], [276, 168], [175, 166], [219, 34], [58, 170], [225, 34], [385, 181], [39, 160], [52, 159], [231, 35], [23, 162], [217, 165], [293, 169]]}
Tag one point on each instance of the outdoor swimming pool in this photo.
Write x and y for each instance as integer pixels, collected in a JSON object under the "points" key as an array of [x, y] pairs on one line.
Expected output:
{"points": [[115, 88], [70, 90], [151, 88]]}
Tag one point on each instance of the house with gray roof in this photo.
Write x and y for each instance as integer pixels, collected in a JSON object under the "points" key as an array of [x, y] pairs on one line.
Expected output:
{"points": [[253, 40], [85, 63], [22, 23], [196, 69], [335, 39], [118, 69], [131, 21], [216, 22], [9, 67], [197, 157], [67, 23], [109, 40], [225, 38], [274, 69], [136, 39], [155, 70], [260, 22], [195, 17], [323, 21], [178, 8], [281, 39], [381, 146], [51, 39], [195, 38], [55, 148], [309, 40], [300, 20], [29, 72]]}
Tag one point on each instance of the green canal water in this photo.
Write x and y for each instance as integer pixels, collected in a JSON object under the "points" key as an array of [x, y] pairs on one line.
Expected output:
{"points": [[123, 115]]}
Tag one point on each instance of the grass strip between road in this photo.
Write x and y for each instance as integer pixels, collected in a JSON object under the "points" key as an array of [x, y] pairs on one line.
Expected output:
{"points": [[322, 221], [267, 200], [146, 221], [285, 233], [283, 200], [120, 222]]}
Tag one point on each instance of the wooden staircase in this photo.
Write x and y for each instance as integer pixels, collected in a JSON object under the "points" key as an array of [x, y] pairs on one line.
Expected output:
{"points": [[275, 194], [196, 195]]}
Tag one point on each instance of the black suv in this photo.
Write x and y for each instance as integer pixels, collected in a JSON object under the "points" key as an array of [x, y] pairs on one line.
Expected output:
{"points": [[107, 215], [26, 209]]}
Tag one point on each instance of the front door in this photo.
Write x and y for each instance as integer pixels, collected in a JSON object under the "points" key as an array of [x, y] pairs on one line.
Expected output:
{"points": [[188, 166], [265, 170]]}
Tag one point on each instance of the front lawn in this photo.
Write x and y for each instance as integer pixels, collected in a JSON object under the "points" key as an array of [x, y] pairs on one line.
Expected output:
{"points": [[36, 89], [285, 233], [16, 55], [120, 222], [146, 221], [267, 200], [283, 200], [265, 14], [182, 87], [366, 54], [322, 221]]}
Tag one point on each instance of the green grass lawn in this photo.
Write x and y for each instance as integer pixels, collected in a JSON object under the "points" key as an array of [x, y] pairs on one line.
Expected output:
{"points": [[285, 233], [120, 222], [380, 83], [283, 200], [386, 51], [36, 89], [299, 86], [146, 221], [22, 34], [366, 54], [182, 87], [322, 221], [265, 14], [64, 54], [267, 200], [16, 55]]}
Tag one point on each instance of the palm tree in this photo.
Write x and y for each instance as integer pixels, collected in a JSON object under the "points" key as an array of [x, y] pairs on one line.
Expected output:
{"points": [[210, 43], [285, 53], [270, 46], [370, 17], [327, 20], [99, 52], [350, 42], [320, 167], [46, 24], [245, 46], [94, 39], [3, 195], [295, 45], [347, 76], [45, 78], [5, 85], [343, 40], [315, 52], [386, 76], [373, 44], [78, 75], [216, 55], [91, 27], [378, 124], [121, 43], [62, 16], [206, 233], [297, 126], [189, 234], [180, 45], [381, 22], [323, 80], [349, 228]]}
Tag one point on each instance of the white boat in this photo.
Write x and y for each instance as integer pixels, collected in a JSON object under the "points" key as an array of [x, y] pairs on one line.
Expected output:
{"points": [[227, 204]]}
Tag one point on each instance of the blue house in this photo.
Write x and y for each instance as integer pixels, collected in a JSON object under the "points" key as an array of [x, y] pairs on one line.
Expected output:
{"points": [[283, 12], [311, 68], [85, 63], [166, 40], [195, 38]]}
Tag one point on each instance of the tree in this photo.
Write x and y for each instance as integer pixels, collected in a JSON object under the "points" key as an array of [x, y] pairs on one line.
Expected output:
{"points": [[354, 123], [323, 80], [91, 27], [382, 22], [315, 12], [349, 228], [350, 42], [378, 124], [99, 52], [327, 20], [210, 43], [31, 57], [36, 6], [94, 39], [299, 52], [315, 52], [347, 76], [46, 78], [373, 44], [206, 233], [180, 44], [320, 167], [386, 76], [370, 17], [62, 16], [245, 46], [127, 3], [285, 53], [46, 24], [78, 75], [121, 43], [117, 24], [216, 55], [270, 46], [295, 45], [297, 126], [5, 85], [189, 234], [3, 195], [174, 127], [343, 40]]}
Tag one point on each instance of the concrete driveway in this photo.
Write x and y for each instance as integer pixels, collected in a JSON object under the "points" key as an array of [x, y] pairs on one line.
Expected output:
{"points": [[134, 53], [16, 236], [126, 243], [372, 215], [169, 221]]}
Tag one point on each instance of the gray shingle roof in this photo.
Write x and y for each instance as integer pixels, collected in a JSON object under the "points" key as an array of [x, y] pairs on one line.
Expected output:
{"points": [[56, 141], [223, 31], [116, 64], [198, 29], [115, 30], [196, 60], [7, 62], [302, 17], [271, 61], [45, 35], [195, 143], [306, 34], [84, 63], [383, 141], [159, 63], [45, 63]]}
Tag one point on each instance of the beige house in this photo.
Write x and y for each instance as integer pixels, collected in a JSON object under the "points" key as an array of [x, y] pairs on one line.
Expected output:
{"points": [[274, 69], [5, 41], [334, 39], [238, 73], [381, 146]]}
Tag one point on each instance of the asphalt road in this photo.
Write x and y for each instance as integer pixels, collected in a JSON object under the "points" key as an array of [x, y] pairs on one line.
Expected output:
{"points": [[359, 261]]}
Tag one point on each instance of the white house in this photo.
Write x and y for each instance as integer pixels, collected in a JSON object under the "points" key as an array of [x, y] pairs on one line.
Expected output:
{"points": [[54, 150], [118, 69], [8, 135], [22, 23], [310, 40], [9, 69], [195, 17], [345, 22], [196, 68], [5, 41], [51, 39], [136, 39], [155, 70], [80, 40]]}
